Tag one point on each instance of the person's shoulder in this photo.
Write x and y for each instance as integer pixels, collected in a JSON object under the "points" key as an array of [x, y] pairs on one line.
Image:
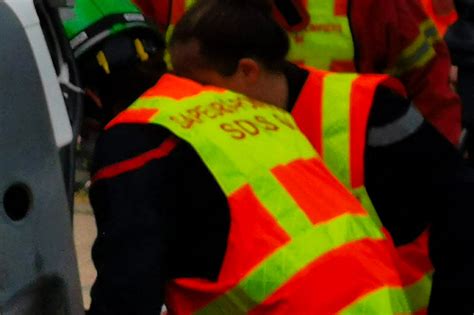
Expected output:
{"points": [[389, 104], [390, 92]]}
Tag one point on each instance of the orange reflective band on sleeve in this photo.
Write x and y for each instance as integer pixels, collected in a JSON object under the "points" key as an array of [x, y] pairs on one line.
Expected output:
{"points": [[137, 162]]}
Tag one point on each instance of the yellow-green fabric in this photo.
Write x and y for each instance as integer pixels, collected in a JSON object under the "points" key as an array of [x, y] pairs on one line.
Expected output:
{"points": [[336, 119], [326, 39]]}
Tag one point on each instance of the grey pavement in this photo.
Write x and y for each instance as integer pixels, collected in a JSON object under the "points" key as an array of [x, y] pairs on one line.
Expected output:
{"points": [[84, 236]]}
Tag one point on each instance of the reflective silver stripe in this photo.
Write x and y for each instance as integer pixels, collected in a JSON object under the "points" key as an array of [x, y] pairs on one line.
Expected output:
{"points": [[397, 130], [85, 45], [78, 40]]}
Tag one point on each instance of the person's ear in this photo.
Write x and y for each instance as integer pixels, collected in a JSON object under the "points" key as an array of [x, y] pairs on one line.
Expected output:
{"points": [[249, 69]]}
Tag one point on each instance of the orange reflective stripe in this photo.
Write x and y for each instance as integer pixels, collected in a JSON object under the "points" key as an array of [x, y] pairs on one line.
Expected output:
{"points": [[324, 207], [139, 116], [166, 87], [332, 291], [307, 111], [362, 96], [252, 214]]}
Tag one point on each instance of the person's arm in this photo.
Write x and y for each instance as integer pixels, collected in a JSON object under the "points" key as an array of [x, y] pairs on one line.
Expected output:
{"points": [[399, 39], [131, 180], [418, 179], [407, 163]]}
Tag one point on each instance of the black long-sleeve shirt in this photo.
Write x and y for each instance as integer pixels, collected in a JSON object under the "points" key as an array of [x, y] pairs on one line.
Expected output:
{"points": [[169, 218]]}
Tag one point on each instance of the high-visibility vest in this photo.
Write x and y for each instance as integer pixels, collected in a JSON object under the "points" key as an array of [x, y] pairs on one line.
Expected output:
{"points": [[333, 111], [326, 42], [298, 242], [442, 12]]}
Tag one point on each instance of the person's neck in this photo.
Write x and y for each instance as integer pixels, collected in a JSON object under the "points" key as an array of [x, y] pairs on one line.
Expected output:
{"points": [[275, 89]]}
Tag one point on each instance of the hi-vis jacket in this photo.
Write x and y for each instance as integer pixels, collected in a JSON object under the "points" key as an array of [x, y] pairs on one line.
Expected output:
{"points": [[298, 242], [333, 111]]}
